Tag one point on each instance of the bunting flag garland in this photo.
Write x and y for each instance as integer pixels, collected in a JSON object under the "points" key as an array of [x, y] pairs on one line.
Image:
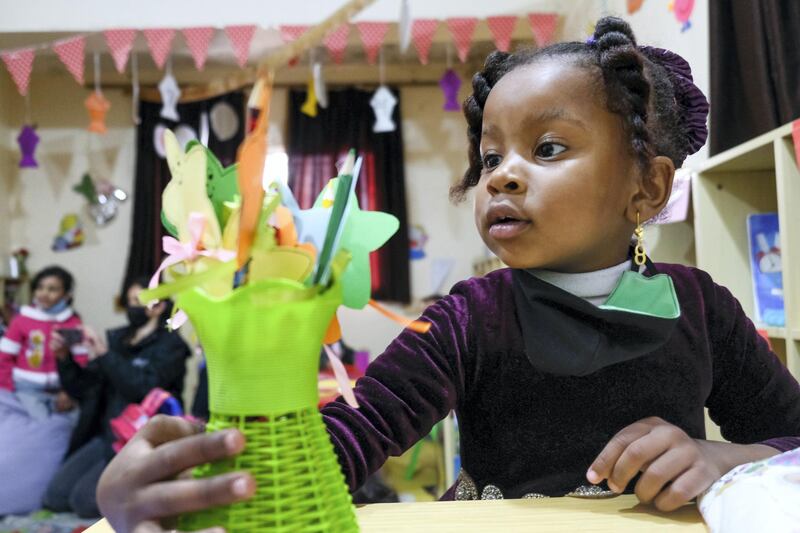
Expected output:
{"points": [[291, 32], [501, 28], [159, 41], [70, 52], [543, 26], [120, 42], [372, 35], [198, 40], [422, 31], [240, 38], [462, 28], [336, 42], [19, 64]]}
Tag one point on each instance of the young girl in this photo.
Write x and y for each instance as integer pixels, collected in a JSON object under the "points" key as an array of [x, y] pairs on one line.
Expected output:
{"points": [[35, 417], [567, 369]]}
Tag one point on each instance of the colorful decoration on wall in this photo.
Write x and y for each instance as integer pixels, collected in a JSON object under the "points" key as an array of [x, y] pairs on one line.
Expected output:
{"points": [[103, 198], [159, 41], [462, 29], [502, 28], [120, 42], [336, 42], [97, 105], [683, 11], [450, 84], [27, 140], [70, 233], [240, 38], [422, 31], [417, 239], [70, 52], [198, 39], [543, 26], [19, 64], [372, 35], [382, 103], [634, 6], [309, 107]]}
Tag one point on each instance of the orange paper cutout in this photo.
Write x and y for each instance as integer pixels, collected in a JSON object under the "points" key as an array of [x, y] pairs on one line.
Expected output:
{"points": [[251, 157], [97, 105], [286, 231], [414, 325], [334, 333]]}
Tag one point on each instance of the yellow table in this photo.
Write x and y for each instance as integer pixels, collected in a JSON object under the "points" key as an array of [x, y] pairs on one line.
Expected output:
{"points": [[620, 514]]}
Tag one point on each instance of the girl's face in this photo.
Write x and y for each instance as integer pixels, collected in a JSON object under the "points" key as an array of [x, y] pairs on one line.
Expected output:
{"points": [[49, 292], [558, 181]]}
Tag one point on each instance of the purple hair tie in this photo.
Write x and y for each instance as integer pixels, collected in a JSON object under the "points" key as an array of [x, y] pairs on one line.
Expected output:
{"points": [[689, 97]]}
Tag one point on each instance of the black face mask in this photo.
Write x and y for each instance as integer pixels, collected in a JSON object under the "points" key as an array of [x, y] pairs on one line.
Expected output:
{"points": [[566, 335], [137, 316]]}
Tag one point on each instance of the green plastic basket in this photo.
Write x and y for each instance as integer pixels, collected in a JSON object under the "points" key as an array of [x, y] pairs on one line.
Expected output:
{"points": [[262, 344]]}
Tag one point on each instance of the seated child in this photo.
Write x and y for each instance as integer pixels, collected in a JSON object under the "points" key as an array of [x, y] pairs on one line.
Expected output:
{"points": [[36, 415], [583, 363]]}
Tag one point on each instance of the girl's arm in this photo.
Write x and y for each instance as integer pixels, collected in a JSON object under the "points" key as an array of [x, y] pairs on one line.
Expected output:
{"points": [[134, 382], [10, 347], [413, 385], [754, 398]]}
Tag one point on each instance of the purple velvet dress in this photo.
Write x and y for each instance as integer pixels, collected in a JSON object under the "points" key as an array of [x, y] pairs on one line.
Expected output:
{"points": [[526, 431]]}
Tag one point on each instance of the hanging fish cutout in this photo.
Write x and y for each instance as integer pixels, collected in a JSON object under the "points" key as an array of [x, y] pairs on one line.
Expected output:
{"points": [[251, 157]]}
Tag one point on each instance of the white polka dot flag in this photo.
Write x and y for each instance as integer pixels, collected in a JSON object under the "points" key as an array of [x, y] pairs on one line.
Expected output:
{"points": [[501, 28], [372, 35], [462, 28], [198, 39], [543, 26], [120, 42], [240, 38], [20, 63], [159, 41], [422, 31], [70, 52], [336, 42]]}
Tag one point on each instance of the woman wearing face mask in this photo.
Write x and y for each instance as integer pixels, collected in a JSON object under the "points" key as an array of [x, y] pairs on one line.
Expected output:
{"points": [[134, 359], [36, 415]]}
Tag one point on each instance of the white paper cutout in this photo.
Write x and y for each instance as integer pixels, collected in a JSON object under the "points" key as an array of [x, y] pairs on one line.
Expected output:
{"points": [[170, 94], [319, 85], [404, 26], [224, 122], [383, 102]]}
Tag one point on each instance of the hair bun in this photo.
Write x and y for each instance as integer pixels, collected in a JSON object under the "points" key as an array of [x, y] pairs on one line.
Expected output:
{"points": [[616, 29]]}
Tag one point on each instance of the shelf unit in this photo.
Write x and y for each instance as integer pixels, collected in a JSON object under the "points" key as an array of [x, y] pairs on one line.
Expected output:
{"points": [[758, 176]]}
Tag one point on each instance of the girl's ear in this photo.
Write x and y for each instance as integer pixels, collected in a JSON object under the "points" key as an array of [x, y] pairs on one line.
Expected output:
{"points": [[654, 189]]}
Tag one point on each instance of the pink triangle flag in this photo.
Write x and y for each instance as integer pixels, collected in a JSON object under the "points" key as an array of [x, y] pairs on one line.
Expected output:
{"points": [[796, 140], [159, 41], [198, 39], [70, 52], [372, 35], [240, 37], [120, 42], [422, 31], [291, 32], [20, 63], [462, 29], [336, 42], [501, 28], [543, 26]]}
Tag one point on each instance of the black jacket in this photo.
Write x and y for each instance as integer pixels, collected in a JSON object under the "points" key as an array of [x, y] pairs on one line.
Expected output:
{"points": [[120, 377]]}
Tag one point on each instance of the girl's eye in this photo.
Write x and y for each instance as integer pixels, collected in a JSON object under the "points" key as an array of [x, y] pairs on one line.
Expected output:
{"points": [[491, 161], [548, 150]]}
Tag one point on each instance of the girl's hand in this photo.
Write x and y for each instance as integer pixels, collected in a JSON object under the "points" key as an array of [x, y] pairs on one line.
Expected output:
{"points": [[138, 488], [675, 467], [58, 346], [94, 344], [63, 402]]}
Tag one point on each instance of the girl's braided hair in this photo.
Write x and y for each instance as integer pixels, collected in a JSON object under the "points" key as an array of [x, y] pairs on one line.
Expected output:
{"points": [[651, 89]]}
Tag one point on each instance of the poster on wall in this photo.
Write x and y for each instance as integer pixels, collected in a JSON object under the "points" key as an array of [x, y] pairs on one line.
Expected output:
{"points": [[70, 233]]}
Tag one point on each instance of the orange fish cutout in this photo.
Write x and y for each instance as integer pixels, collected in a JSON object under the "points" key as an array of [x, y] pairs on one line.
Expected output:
{"points": [[251, 156], [97, 105], [286, 231]]}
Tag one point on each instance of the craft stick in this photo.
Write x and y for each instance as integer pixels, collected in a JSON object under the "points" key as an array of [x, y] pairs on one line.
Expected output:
{"points": [[414, 325]]}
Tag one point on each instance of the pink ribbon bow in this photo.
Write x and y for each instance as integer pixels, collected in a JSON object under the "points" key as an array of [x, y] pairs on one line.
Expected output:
{"points": [[187, 251]]}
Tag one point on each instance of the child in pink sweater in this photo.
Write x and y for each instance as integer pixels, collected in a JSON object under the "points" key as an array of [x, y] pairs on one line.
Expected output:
{"points": [[36, 416]]}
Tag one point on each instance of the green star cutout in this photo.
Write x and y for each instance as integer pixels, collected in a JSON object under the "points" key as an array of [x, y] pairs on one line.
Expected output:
{"points": [[364, 232], [86, 189]]}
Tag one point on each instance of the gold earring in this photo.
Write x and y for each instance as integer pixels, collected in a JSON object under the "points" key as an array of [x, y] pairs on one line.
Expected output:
{"points": [[639, 253]]}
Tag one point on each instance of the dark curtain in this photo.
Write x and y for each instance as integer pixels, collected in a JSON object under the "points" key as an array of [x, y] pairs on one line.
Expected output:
{"points": [[755, 68], [317, 144], [152, 172]]}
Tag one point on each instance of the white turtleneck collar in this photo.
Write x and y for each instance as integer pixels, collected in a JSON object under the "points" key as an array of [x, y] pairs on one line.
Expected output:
{"points": [[594, 287]]}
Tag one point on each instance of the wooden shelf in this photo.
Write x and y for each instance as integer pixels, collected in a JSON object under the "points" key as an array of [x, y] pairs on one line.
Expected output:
{"points": [[758, 176]]}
